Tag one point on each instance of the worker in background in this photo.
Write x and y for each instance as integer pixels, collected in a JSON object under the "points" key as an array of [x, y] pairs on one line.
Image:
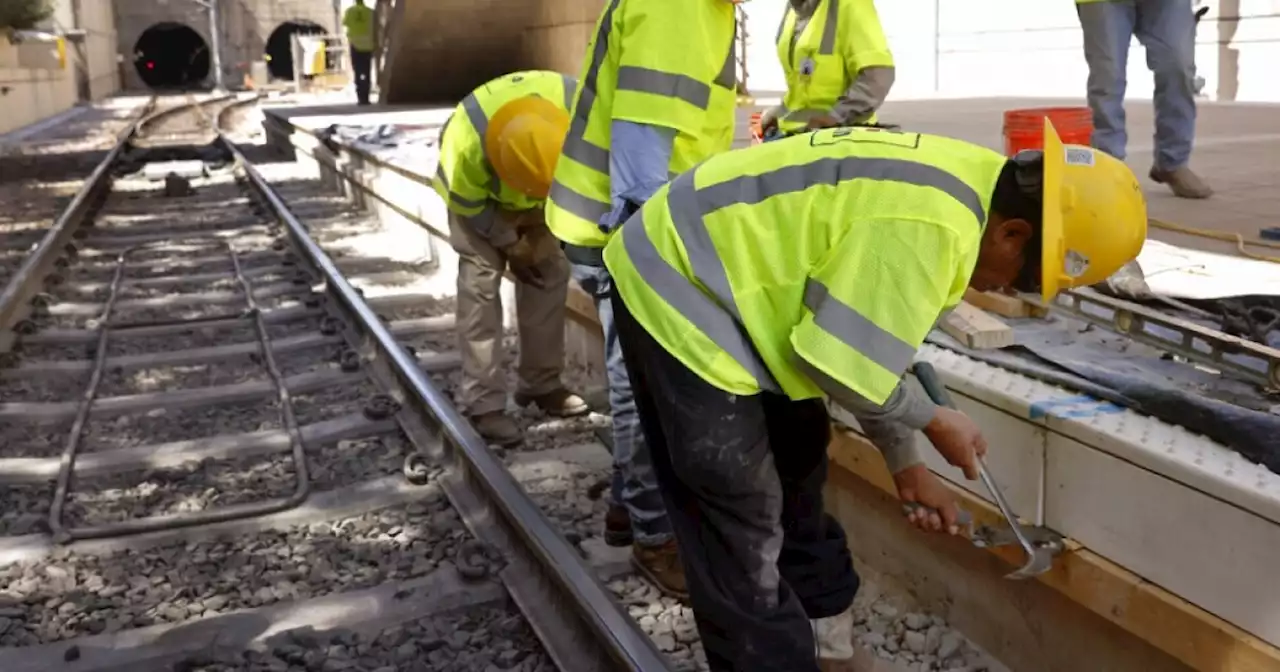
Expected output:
{"points": [[837, 65], [658, 96], [1166, 28], [358, 21], [767, 278], [497, 155]]}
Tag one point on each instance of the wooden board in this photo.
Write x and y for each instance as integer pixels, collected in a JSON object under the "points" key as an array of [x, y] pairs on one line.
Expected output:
{"points": [[976, 329], [1003, 304], [1186, 632]]}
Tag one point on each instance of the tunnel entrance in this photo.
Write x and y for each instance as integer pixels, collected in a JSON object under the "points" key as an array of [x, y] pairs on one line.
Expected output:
{"points": [[279, 46], [171, 56]]}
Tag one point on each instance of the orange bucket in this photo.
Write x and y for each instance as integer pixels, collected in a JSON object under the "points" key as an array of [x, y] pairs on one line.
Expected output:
{"points": [[1024, 129]]}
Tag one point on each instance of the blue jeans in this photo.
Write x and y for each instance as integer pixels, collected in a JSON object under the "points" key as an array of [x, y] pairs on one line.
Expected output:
{"points": [[634, 484], [1166, 28]]}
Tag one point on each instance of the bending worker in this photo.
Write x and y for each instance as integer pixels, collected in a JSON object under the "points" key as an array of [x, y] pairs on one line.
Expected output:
{"points": [[1167, 29], [837, 65], [768, 277], [497, 155], [645, 111]]}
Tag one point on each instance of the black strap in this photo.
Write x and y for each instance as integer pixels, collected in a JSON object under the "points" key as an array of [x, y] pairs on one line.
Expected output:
{"points": [[584, 256]]}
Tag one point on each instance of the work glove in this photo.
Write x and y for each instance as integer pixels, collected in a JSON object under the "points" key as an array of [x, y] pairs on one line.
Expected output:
{"points": [[523, 262], [769, 120]]}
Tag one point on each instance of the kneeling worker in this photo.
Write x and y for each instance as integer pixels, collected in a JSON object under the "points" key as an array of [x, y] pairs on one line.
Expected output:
{"points": [[767, 277], [497, 155]]}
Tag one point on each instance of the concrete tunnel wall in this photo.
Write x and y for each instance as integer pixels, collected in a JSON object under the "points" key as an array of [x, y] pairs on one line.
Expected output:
{"points": [[439, 50]]}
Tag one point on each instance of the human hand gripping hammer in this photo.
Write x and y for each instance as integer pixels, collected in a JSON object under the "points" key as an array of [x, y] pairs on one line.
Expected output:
{"points": [[1039, 543]]}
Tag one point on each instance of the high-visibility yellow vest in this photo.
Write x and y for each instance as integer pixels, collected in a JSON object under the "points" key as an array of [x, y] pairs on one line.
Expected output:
{"points": [[821, 63], [465, 178], [358, 20], [841, 246], [662, 62]]}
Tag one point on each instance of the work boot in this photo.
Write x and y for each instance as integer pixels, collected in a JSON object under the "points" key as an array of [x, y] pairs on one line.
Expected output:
{"points": [[496, 428], [836, 652], [1183, 182], [617, 526], [559, 403], [661, 565]]}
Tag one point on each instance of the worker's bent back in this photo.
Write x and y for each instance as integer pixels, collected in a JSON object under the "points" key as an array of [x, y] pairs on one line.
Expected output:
{"points": [[660, 62], [842, 246]]}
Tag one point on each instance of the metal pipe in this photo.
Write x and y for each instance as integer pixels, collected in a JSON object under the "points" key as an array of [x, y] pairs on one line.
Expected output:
{"points": [[215, 37]]}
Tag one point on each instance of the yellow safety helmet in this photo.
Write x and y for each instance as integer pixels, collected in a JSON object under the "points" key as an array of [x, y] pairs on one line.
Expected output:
{"points": [[523, 143], [1094, 219]]}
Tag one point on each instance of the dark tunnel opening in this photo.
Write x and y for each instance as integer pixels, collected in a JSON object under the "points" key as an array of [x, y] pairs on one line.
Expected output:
{"points": [[279, 46], [171, 56]]}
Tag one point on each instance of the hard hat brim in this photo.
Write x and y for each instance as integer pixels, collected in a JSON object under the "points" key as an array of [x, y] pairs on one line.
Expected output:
{"points": [[1052, 251]]}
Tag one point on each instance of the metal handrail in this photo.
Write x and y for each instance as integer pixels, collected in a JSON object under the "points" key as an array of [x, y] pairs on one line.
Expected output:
{"points": [[623, 643]]}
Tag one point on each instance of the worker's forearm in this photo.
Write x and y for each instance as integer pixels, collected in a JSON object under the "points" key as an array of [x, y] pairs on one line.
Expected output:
{"points": [[891, 426], [865, 96], [639, 158]]}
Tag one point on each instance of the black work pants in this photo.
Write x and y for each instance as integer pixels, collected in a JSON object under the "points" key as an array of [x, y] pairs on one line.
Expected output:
{"points": [[742, 480], [361, 65]]}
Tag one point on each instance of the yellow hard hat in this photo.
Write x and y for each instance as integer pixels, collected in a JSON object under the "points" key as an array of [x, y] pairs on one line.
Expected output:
{"points": [[523, 143], [1094, 219]]}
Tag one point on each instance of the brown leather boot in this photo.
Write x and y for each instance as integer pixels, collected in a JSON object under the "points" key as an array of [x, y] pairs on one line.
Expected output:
{"points": [[496, 428], [661, 565], [559, 403], [1183, 182], [617, 526]]}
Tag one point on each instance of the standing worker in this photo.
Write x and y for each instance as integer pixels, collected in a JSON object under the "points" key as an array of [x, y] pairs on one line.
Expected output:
{"points": [[658, 96], [497, 154], [1166, 28], [358, 20], [767, 277], [837, 64]]}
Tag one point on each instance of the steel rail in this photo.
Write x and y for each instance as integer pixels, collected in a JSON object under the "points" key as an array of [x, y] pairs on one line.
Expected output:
{"points": [[302, 488], [16, 296], [546, 576], [148, 124]]}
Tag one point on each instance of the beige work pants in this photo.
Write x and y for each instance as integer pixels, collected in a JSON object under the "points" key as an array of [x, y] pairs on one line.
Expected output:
{"points": [[540, 315]]}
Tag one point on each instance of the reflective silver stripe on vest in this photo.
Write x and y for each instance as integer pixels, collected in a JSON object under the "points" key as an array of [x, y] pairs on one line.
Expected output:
{"points": [[475, 113], [856, 331], [576, 145], [682, 201], [587, 208], [658, 83], [695, 306], [728, 77], [464, 202], [828, 45], [752, 189], [570, 84]]}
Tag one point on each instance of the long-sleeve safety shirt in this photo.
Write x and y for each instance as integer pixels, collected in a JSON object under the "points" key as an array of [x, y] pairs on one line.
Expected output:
{"points": [[637, 167], [870, 85]]}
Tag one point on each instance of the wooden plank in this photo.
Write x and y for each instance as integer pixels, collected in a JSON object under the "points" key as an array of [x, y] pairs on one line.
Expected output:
{"points": [[1003, 304], [975, 329], [1190, 634]]}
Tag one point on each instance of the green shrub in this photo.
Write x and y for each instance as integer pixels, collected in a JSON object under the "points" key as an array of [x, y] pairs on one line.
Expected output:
{"points": [[23, 14]]}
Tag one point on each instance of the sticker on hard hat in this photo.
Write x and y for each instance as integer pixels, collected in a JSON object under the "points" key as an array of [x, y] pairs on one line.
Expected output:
{"points": [[1075, 264], [1079, 156]]}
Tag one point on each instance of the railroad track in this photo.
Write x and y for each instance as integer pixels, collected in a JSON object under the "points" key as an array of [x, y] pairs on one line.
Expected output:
{"points": [[227, 443]]}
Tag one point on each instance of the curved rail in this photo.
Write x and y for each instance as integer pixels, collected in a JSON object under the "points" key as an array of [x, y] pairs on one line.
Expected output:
{"points": [[580, 624]]}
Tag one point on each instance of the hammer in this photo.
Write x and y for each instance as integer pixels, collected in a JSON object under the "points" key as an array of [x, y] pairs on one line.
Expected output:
{"points": [[1039, 543]]}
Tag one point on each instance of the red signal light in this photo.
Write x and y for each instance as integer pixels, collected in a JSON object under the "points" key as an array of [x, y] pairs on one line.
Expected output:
{"points": [[151, 65]]}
